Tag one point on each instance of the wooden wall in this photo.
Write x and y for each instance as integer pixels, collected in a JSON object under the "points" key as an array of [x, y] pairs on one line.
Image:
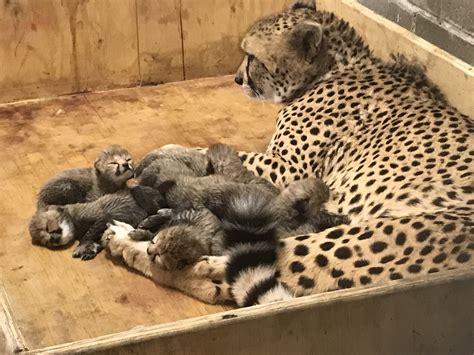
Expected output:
{"points": [[54, 47]]}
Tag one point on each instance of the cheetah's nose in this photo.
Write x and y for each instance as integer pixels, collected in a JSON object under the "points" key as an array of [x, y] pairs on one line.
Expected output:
{"points": [[239, 80]]}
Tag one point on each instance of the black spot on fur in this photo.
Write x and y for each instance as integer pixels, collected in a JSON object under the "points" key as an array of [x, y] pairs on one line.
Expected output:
{"points": [[378, 247], [395, 276], [449, 227], [335, 273], [345, 283], [361, 263], [463, 257], [423, 235], [365, 280], [414, 268], [401, 261], [301, 250], [401, 238], [365, 235], [321, 260], [387, 258], [375, 270], [439, 258], [326, 246], [302, 237], [343, 253], [353, 231], [426, 250], [296, 266], [334, 234], [417, 225], [305, 282]]}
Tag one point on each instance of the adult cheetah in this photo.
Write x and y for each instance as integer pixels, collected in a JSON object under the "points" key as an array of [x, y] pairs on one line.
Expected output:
{"points": [[397, 157]]}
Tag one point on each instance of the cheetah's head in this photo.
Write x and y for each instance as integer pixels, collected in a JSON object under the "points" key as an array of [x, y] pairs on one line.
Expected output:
{"points": [[284, 53]]}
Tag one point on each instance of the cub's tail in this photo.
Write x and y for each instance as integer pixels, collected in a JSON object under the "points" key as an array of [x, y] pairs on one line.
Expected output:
{"points": [[251, 242]]}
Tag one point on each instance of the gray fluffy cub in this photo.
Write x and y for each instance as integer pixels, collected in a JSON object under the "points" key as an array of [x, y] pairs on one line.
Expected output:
{"points": [[112, 168], [207, 214], [78, 203], [57, 226]]}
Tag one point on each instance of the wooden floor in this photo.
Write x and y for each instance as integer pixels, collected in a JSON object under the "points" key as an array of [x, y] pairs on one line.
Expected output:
{"points": [[53, 297]]}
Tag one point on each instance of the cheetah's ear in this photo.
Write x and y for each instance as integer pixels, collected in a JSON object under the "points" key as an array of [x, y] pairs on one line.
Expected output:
{"points": [[304, 4], [306, 38]]}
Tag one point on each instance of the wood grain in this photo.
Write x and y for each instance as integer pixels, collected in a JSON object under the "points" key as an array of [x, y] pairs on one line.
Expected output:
{"points": [[212, 32], [55, 298], [54, 47], [160, 44]]}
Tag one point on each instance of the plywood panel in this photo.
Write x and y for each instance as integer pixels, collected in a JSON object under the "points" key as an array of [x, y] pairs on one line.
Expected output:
{"points": [[159, 33], [213, 30], [431, 315], [452, 75], [52, 47], [53, 297]]}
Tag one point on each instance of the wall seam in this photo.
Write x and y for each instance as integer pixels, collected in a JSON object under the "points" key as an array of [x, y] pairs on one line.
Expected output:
{"points": [[140, 79], [182, 39]]}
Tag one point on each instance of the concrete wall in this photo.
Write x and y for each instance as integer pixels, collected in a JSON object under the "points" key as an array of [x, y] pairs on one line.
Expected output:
{"points": [[449, 24]]}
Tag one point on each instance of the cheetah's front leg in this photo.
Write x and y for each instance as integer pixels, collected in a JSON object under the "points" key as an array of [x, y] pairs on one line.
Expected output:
{"points": [[203, 280]]}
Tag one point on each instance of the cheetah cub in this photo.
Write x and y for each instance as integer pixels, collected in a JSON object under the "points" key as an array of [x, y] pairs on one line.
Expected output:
{"points": [[229, 213], [112, 168]]}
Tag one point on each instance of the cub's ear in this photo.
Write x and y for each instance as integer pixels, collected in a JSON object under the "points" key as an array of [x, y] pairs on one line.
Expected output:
{"points": [[209, 168], [306, 38], [96, 163], [304, 4]]}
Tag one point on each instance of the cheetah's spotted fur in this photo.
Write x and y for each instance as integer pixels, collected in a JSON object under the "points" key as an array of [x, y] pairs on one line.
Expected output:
{"points": [[396, 156]]}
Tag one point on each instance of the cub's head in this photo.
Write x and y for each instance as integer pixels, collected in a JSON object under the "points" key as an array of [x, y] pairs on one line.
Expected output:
{"points": [[175, 247], [51, 228], [115, 163], [284, 53], [306, 196]]}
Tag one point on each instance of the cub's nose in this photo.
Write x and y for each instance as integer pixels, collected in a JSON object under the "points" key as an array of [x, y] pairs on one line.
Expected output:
{"points": [[238, 80]]}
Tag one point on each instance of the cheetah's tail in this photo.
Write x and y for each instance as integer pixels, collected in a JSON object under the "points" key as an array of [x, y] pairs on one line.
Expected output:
{"points": [[252, 243]]}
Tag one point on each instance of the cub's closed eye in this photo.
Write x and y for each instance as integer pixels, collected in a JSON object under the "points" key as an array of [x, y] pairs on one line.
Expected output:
{"points": [[113, 163]]}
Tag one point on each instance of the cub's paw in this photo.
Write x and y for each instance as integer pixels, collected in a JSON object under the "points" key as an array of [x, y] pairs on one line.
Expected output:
{"points": [[141, 234], [210, 267], [87, 251], [121, 229], [115, 238], [106, 237]]}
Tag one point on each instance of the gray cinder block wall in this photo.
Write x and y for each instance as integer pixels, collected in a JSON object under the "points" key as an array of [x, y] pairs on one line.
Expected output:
{"points": [[448, 24]]}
